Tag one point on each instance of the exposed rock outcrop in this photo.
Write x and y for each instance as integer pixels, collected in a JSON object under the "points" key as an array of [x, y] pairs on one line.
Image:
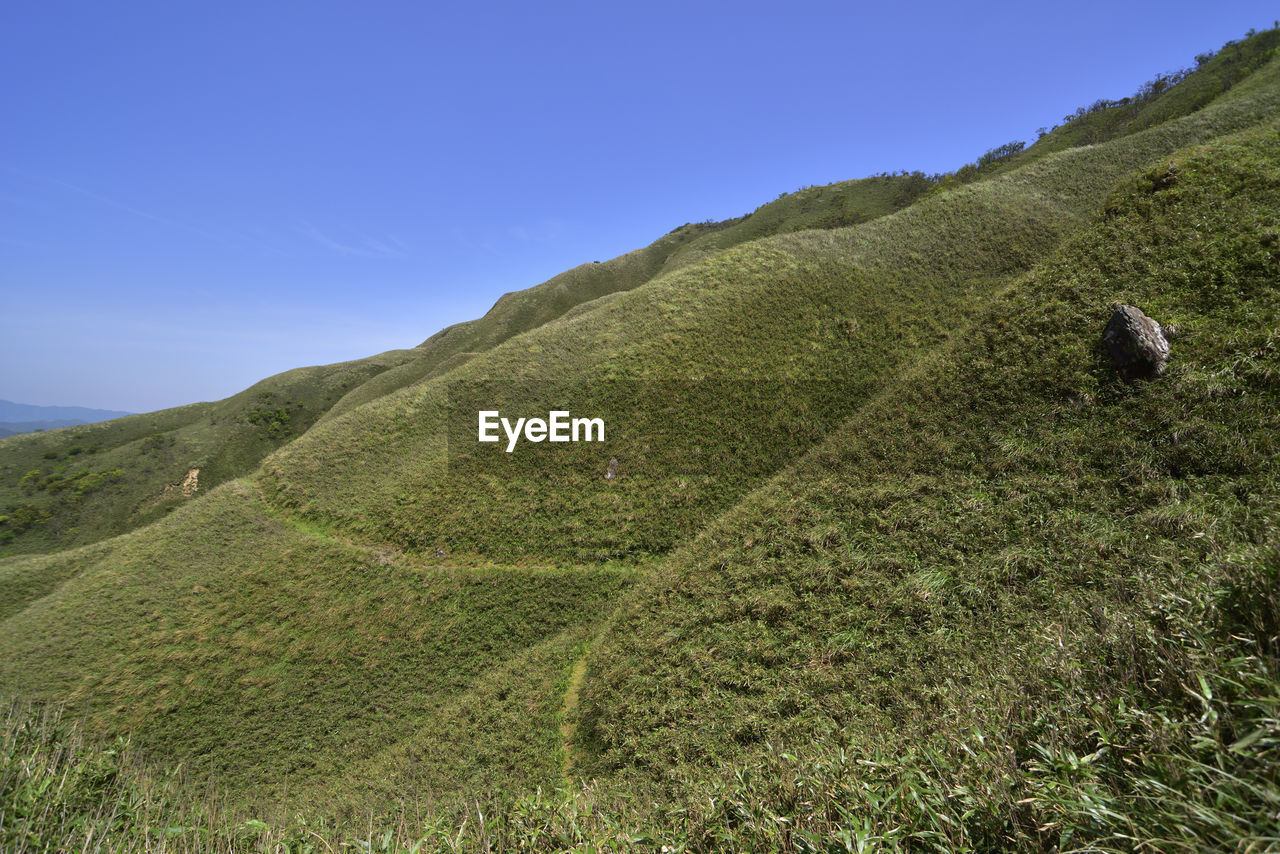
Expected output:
{"points": [[1137, 343]]}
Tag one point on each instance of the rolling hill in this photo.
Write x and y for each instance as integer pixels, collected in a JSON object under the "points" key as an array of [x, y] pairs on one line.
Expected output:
{"points": [[96, 482], [877, 549]]}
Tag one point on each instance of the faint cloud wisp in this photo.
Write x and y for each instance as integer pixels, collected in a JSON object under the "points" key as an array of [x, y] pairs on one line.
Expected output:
{"points": [[544, 231], [388, 246]]}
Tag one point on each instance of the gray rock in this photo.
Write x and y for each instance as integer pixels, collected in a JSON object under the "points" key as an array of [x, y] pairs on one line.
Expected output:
{"points": [[1136, 343], [612, 473]]}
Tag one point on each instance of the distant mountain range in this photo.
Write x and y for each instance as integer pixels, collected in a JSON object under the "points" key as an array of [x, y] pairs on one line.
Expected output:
{"points": [[18, 418]]}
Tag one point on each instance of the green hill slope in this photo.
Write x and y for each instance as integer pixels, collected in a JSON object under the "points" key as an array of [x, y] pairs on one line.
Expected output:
{"points": [[994, 546], [520, 311], [77, 485], [246, 647], [1006, 486], [832, 206], [878, 495], [1164, 97], [91, 483], [711, 377]]}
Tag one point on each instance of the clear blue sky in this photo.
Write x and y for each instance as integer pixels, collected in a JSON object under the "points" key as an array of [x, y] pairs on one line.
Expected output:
{"points": [[197, 195]]}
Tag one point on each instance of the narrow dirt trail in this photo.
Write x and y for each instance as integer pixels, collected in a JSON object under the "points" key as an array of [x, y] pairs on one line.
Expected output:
{"points": [[567, 729]]}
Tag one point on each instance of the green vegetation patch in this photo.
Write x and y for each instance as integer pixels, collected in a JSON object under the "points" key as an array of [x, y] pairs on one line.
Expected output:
{"points": [[588, 286], [934, 577], [265, 656], [761, 348], [78, 485], [1014, 551]]}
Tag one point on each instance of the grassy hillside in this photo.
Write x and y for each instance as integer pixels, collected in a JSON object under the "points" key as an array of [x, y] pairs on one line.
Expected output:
{"points": [[903, 564], [999, 553], [712, 376], [1109, 548], [520, 311], [1005, 516], [270, 655], [1166, 96], [1160, 99], [72, 487], [78, 485], [831, 206]]}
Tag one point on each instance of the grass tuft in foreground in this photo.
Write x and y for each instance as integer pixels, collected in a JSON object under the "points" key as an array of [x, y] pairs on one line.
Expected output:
{"points": [[1195, 774]]}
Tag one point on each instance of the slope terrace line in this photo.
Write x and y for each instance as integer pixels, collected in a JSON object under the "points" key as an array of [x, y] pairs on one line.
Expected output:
{"points": [[578, 676]]}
